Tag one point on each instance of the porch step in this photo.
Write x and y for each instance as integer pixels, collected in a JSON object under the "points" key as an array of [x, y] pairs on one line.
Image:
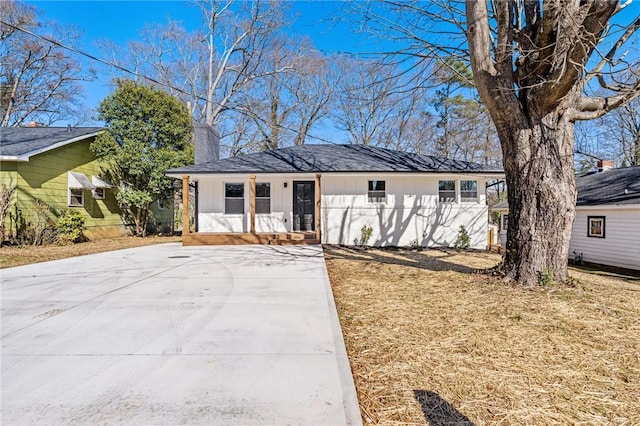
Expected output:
{"points": [[285, 241], [283, 238], [293, 236], [231, 238]]}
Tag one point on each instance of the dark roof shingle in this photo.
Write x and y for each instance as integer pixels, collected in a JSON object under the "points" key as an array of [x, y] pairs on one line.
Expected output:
{"points": [[20, 141], [615, 186], [610, 187], [333, 158]]}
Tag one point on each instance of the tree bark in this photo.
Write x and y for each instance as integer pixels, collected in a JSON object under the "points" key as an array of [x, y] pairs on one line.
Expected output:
{"points": [[538, 163], [536, 131]]}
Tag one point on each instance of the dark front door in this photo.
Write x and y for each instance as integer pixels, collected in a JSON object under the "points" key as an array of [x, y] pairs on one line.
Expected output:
{"points": [[303, 206]]}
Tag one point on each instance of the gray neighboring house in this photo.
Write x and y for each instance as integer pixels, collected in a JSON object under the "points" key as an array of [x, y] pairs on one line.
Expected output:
{"points": [[333, 191], [606, 230]]}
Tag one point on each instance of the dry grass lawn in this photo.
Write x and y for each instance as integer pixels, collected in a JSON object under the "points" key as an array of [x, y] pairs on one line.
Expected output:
{"points": [[430, 341], [24, 255]]}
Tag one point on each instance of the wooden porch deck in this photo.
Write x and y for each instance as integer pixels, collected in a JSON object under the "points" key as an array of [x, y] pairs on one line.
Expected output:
{"points": [[240, 238]]}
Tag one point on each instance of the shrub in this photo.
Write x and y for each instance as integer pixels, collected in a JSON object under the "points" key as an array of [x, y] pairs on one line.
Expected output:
{"points": [[463, 241], [365, 235], [6, 194], [546, 277], [69, 227], [41, 222]]}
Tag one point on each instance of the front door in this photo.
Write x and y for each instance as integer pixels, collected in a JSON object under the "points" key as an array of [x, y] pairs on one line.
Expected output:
{"points": [[303, 205]]}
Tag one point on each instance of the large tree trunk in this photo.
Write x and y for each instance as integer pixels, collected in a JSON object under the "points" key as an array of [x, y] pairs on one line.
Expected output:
{"points": [[531, 79], [538, 163]]}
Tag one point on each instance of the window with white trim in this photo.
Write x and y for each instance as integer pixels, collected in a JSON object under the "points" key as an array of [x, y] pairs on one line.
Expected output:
{"points": [[595, 226], [76, 197], [505, 222], [263, 198], [447, 191], [98, 193], [234, 198], [468, 190], [377, 191]]}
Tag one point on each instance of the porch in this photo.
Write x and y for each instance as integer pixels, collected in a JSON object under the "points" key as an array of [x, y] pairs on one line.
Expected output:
{"points": [[190, 238]]}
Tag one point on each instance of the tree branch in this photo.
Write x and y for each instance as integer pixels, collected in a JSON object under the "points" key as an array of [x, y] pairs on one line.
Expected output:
{"points": [[608, 58], [590, 108]]}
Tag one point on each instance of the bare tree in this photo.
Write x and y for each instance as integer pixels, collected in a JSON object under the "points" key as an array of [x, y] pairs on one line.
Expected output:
{"points": [[367, 102], [625, 125], [412, 128], [39, 81], [616, 136], [286, 106], [209, 68], [534, 66], [532, 79], [316, 89]]}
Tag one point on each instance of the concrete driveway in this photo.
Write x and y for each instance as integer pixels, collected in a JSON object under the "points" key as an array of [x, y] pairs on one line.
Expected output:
{"points": [[168, 334]]}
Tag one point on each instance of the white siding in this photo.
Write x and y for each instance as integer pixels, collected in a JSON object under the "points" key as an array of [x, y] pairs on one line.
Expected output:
{"points": [[621, 245], [410, 214], [211, 216]]}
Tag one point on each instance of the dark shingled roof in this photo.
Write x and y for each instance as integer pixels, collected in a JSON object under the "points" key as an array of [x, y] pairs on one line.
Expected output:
{"points": [[22, 141], [333, 158], [614, 186]]}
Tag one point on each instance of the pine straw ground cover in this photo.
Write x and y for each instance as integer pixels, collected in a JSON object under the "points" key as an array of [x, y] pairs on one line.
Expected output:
{"points": [[24, 255], [430, 341]]}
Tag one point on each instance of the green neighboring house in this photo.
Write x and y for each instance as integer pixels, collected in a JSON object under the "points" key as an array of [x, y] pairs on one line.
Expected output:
{"points": [[55, 166]]}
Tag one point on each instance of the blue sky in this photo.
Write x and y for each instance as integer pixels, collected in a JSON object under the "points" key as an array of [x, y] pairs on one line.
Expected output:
{"points": [[122, 21]]}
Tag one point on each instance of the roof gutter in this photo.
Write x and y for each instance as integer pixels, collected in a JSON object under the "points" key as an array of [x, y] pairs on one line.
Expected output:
{"points": [[487, 173], [13, 158]]}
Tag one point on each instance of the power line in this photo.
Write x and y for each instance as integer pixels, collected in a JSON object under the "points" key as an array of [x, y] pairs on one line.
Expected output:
{"points": [[153, 80]]}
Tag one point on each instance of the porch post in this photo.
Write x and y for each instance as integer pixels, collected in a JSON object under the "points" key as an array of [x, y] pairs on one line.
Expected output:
{"points": [[318, 209], [252, 204], [185, 205]]}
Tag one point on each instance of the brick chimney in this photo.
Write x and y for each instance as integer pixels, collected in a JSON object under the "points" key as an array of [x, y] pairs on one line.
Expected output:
{"points": [[604, 165]]}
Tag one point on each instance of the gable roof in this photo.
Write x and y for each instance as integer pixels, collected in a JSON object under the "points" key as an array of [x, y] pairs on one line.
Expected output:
{"points": [[613, 186], [20, 143], [333, 158]]}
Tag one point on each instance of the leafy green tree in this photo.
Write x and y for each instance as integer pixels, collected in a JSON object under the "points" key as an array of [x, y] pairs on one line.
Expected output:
{"points": [[148, 132]]}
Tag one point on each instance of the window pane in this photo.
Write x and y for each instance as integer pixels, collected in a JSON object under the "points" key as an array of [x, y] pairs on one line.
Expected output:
{"points": [[468, 190], [469, 185], [76, 197], [234, 190], [447, 191], [376, 193], [596, 226], [447, 185], [234, 205], [263, 205], [376, 185], [98, 193], [263, 190], [376, 196]]}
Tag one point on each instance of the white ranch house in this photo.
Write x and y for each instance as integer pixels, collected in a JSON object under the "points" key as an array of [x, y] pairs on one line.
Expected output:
{"points": [[327, 193]]}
